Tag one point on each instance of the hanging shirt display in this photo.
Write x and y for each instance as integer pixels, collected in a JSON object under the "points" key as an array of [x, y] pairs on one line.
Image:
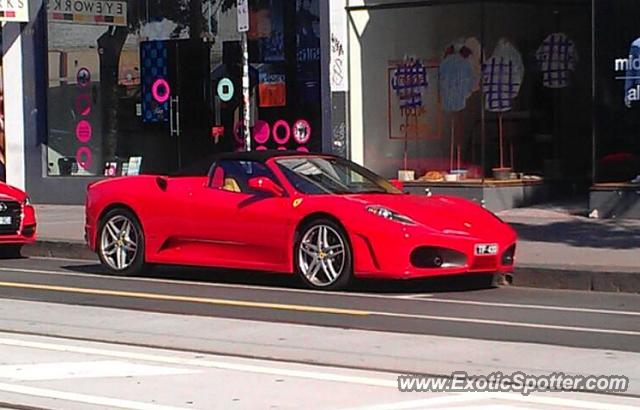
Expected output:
{"points": [[557, 58], [456, 78], [502, 75]]}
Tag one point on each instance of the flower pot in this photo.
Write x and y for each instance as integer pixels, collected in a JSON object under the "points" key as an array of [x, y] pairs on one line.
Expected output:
{"points": [[406, 175]]}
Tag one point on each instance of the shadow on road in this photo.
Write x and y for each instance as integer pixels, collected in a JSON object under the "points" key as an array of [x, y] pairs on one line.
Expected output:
{"points": [[459, 283]]}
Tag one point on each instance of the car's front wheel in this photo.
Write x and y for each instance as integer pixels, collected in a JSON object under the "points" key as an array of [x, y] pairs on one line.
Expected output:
{"points": [[323, 255], [121, 243]]}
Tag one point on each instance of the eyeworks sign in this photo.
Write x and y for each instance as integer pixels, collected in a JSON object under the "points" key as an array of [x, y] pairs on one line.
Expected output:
{"points": [[96, 12], [14, 10]]}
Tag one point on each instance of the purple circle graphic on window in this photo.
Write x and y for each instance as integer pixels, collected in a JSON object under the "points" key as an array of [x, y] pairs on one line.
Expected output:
{"points": [[276, 135], [301, 131], [161, 90], [261, 132], [84, 131]]}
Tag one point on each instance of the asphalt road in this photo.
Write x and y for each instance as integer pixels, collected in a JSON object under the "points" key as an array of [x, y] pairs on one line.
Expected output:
{"points": [[454, 307]]}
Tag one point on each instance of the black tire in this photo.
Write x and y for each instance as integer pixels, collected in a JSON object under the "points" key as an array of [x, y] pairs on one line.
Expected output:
{"points": [[345, 274], [11, 251], [137, 264]]}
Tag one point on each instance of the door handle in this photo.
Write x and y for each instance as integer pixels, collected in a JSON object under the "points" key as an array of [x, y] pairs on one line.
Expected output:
{"points": [[172, 130], [177, 115], [174, 116]]}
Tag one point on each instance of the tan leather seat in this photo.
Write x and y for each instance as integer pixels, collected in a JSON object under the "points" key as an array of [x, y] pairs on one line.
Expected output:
{"points": [[230, 184]]}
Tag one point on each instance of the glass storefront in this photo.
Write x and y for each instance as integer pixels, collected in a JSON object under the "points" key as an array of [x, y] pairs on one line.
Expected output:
{"points": [[475, 92], [617, 80], [151, 86], [3, 160]]}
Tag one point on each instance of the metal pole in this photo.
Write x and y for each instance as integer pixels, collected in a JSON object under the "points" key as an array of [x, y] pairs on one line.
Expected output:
{"points": [[246, 93]]}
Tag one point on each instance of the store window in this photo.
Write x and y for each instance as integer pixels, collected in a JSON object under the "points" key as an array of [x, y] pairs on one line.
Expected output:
{"points": [[617, 69], [152, 86], [475, 92], [3, 161]]}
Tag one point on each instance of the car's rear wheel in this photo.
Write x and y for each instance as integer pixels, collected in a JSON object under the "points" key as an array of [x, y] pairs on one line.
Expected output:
{"points": [[121, 243], [323, 255]]}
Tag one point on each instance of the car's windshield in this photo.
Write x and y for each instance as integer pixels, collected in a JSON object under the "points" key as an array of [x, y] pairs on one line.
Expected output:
{"points": [[318, 175]]}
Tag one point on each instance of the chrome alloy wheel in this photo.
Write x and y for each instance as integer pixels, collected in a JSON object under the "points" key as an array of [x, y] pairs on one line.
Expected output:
{"points": [[119, 242], [321, 255]]}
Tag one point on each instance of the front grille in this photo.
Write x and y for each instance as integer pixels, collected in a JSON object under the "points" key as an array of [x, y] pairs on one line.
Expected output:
{"points": [[14, 210]]}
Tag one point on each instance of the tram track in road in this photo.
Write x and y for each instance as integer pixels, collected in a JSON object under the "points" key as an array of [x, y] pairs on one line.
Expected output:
{"points": [[483, 314]]}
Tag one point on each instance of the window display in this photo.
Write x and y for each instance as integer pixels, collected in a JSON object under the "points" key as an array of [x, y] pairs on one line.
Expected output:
{"points": [[158, 84], [617, 64], [477, 93]]}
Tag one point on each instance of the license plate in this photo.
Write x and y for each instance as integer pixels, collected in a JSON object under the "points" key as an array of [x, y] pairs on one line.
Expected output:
{"points": [[486, 249], [5, 220]]}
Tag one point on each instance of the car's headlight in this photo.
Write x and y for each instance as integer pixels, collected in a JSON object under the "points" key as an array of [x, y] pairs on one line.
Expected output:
{"points": [[387, 213], [27, 200]]}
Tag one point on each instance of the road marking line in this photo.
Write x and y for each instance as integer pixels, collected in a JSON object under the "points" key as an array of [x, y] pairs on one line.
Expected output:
{"points": [[85, 370], [309, 309], [83, 398], [562, 402], [391, 382], [420, 404], [535, 307], [475, 398], [417, 297], [199, 283], [506, 323], [177, 298]]}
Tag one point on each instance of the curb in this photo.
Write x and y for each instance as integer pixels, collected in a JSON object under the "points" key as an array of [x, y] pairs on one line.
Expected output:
{"points": [[545, 277], [60, 249], [584, 279]]}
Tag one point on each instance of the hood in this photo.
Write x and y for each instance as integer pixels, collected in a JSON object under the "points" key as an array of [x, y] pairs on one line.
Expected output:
{"points": [[9, 193], [448, 215]]}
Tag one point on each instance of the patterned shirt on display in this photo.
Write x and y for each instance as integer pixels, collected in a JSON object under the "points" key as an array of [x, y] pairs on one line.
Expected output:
{"points": [[557, 58]]}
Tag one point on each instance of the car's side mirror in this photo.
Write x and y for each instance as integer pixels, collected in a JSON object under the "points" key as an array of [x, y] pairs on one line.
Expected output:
{"points": [[397, 184], [266, 185]]}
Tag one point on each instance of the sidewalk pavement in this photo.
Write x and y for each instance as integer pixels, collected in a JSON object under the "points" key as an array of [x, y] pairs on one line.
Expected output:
{"points": [[558, 248]]}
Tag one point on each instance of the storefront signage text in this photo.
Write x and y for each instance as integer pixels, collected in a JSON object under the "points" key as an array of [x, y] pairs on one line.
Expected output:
{"points": [[97, 12], [627, 69], [14, 10]]}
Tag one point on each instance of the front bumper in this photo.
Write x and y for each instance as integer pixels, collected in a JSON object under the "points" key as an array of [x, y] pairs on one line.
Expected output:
{"points": [[26, 233], [392, 254]]}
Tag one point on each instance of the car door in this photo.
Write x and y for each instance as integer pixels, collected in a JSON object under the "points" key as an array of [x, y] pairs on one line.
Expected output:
{"points": [[237, 226]]}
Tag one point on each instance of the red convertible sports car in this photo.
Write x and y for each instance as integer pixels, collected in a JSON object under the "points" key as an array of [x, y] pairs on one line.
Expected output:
{"points": [[319, 216], [17, 220]]}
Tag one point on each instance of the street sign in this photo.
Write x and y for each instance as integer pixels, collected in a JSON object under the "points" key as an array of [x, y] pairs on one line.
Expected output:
{"points": [[243, 15], [14, 10]]}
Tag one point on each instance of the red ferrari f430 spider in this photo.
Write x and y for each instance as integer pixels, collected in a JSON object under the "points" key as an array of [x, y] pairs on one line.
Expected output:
{"points": [[17, 220], [319, 216]]}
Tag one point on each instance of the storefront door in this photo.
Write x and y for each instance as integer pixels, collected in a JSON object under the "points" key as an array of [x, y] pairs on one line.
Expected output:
{"points": [[175, 95]]}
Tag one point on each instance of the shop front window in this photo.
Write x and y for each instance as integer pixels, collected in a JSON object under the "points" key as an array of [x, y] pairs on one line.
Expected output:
{"points": [[474, 92], [617, 78], [152, 86]]}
